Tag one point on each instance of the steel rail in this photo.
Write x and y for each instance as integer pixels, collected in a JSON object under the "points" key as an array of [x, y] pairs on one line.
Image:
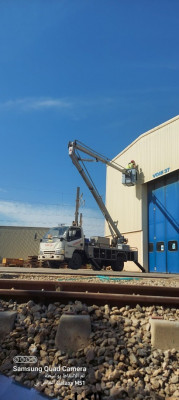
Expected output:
{"points": [[90, 287], [115, 295], [87, 298]]}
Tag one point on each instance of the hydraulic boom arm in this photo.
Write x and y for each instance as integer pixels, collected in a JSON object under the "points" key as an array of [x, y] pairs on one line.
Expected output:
{"points": [[78, 162]]}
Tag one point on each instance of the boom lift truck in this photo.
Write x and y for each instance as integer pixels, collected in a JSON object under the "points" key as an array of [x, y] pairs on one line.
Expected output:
{"points": [[98, 250], [67, 244]]}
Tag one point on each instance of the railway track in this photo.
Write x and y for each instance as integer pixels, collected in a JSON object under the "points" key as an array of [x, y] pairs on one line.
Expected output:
{"points": [[89, 293]]}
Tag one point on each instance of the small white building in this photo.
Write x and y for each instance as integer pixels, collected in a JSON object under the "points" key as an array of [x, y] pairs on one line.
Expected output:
{"points": [[148, 213]]}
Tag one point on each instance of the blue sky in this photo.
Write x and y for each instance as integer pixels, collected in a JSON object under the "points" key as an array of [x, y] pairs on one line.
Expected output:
{"points": [[99, 71]]}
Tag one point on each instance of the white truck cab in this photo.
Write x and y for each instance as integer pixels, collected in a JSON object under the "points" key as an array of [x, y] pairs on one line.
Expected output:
{"points": [[59, 244]]}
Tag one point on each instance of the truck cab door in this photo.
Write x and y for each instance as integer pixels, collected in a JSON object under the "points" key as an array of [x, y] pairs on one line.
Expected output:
{"points": [[75, 241]]}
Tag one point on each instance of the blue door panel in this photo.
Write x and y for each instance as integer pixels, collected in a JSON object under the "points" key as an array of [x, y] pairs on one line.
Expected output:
{"points": [[160, 246], [163, 222], [151, 230], [172, 225]]}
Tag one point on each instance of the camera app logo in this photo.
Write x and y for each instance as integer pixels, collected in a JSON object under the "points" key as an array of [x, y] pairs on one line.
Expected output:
{"points": [[25, 359]]}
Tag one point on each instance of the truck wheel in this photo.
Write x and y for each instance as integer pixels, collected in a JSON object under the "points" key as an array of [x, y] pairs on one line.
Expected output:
{"points": [[117, 267], [118, 264], [75, 262]]}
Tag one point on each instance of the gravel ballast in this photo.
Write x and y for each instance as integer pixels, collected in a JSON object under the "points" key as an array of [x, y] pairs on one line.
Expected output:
{"points": [[118, 363]]}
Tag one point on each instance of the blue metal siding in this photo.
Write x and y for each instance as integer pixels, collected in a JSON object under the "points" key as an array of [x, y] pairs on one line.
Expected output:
{"points": [[163, 212], [151, 230], [172, 223]]}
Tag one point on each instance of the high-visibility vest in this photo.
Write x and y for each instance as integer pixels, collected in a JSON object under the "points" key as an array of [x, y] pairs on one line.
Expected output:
{"points": [[130, 165]]}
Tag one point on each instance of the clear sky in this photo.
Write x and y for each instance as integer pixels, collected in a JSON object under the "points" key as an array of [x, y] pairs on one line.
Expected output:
{"points": [[100, 71]]}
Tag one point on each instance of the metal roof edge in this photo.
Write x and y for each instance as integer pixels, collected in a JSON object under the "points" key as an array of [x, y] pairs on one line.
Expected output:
{"points": [[145, 134]]}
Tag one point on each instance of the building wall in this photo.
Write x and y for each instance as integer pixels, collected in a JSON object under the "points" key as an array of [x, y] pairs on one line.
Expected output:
{"points": [[18, 242], [156, 154], [154, 151]]}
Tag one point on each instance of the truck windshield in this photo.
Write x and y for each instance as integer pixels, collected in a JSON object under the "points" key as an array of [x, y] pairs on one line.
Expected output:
{"points": [[55, 234]]}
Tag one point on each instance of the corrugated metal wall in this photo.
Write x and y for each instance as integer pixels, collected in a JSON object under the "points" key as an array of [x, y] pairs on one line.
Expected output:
{"points": [[156, 154], [154, 151], [18, 242]]}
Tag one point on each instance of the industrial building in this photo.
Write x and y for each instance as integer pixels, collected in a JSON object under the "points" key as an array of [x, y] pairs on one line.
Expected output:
{"points": [[20, 241], [148, 213]]}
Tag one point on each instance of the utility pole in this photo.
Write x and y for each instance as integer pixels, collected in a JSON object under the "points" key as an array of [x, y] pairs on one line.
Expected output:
{"points": [[77, 205]]}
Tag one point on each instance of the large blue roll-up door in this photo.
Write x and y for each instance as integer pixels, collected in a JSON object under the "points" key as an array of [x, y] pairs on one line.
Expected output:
{"points": [[163, 215]]}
